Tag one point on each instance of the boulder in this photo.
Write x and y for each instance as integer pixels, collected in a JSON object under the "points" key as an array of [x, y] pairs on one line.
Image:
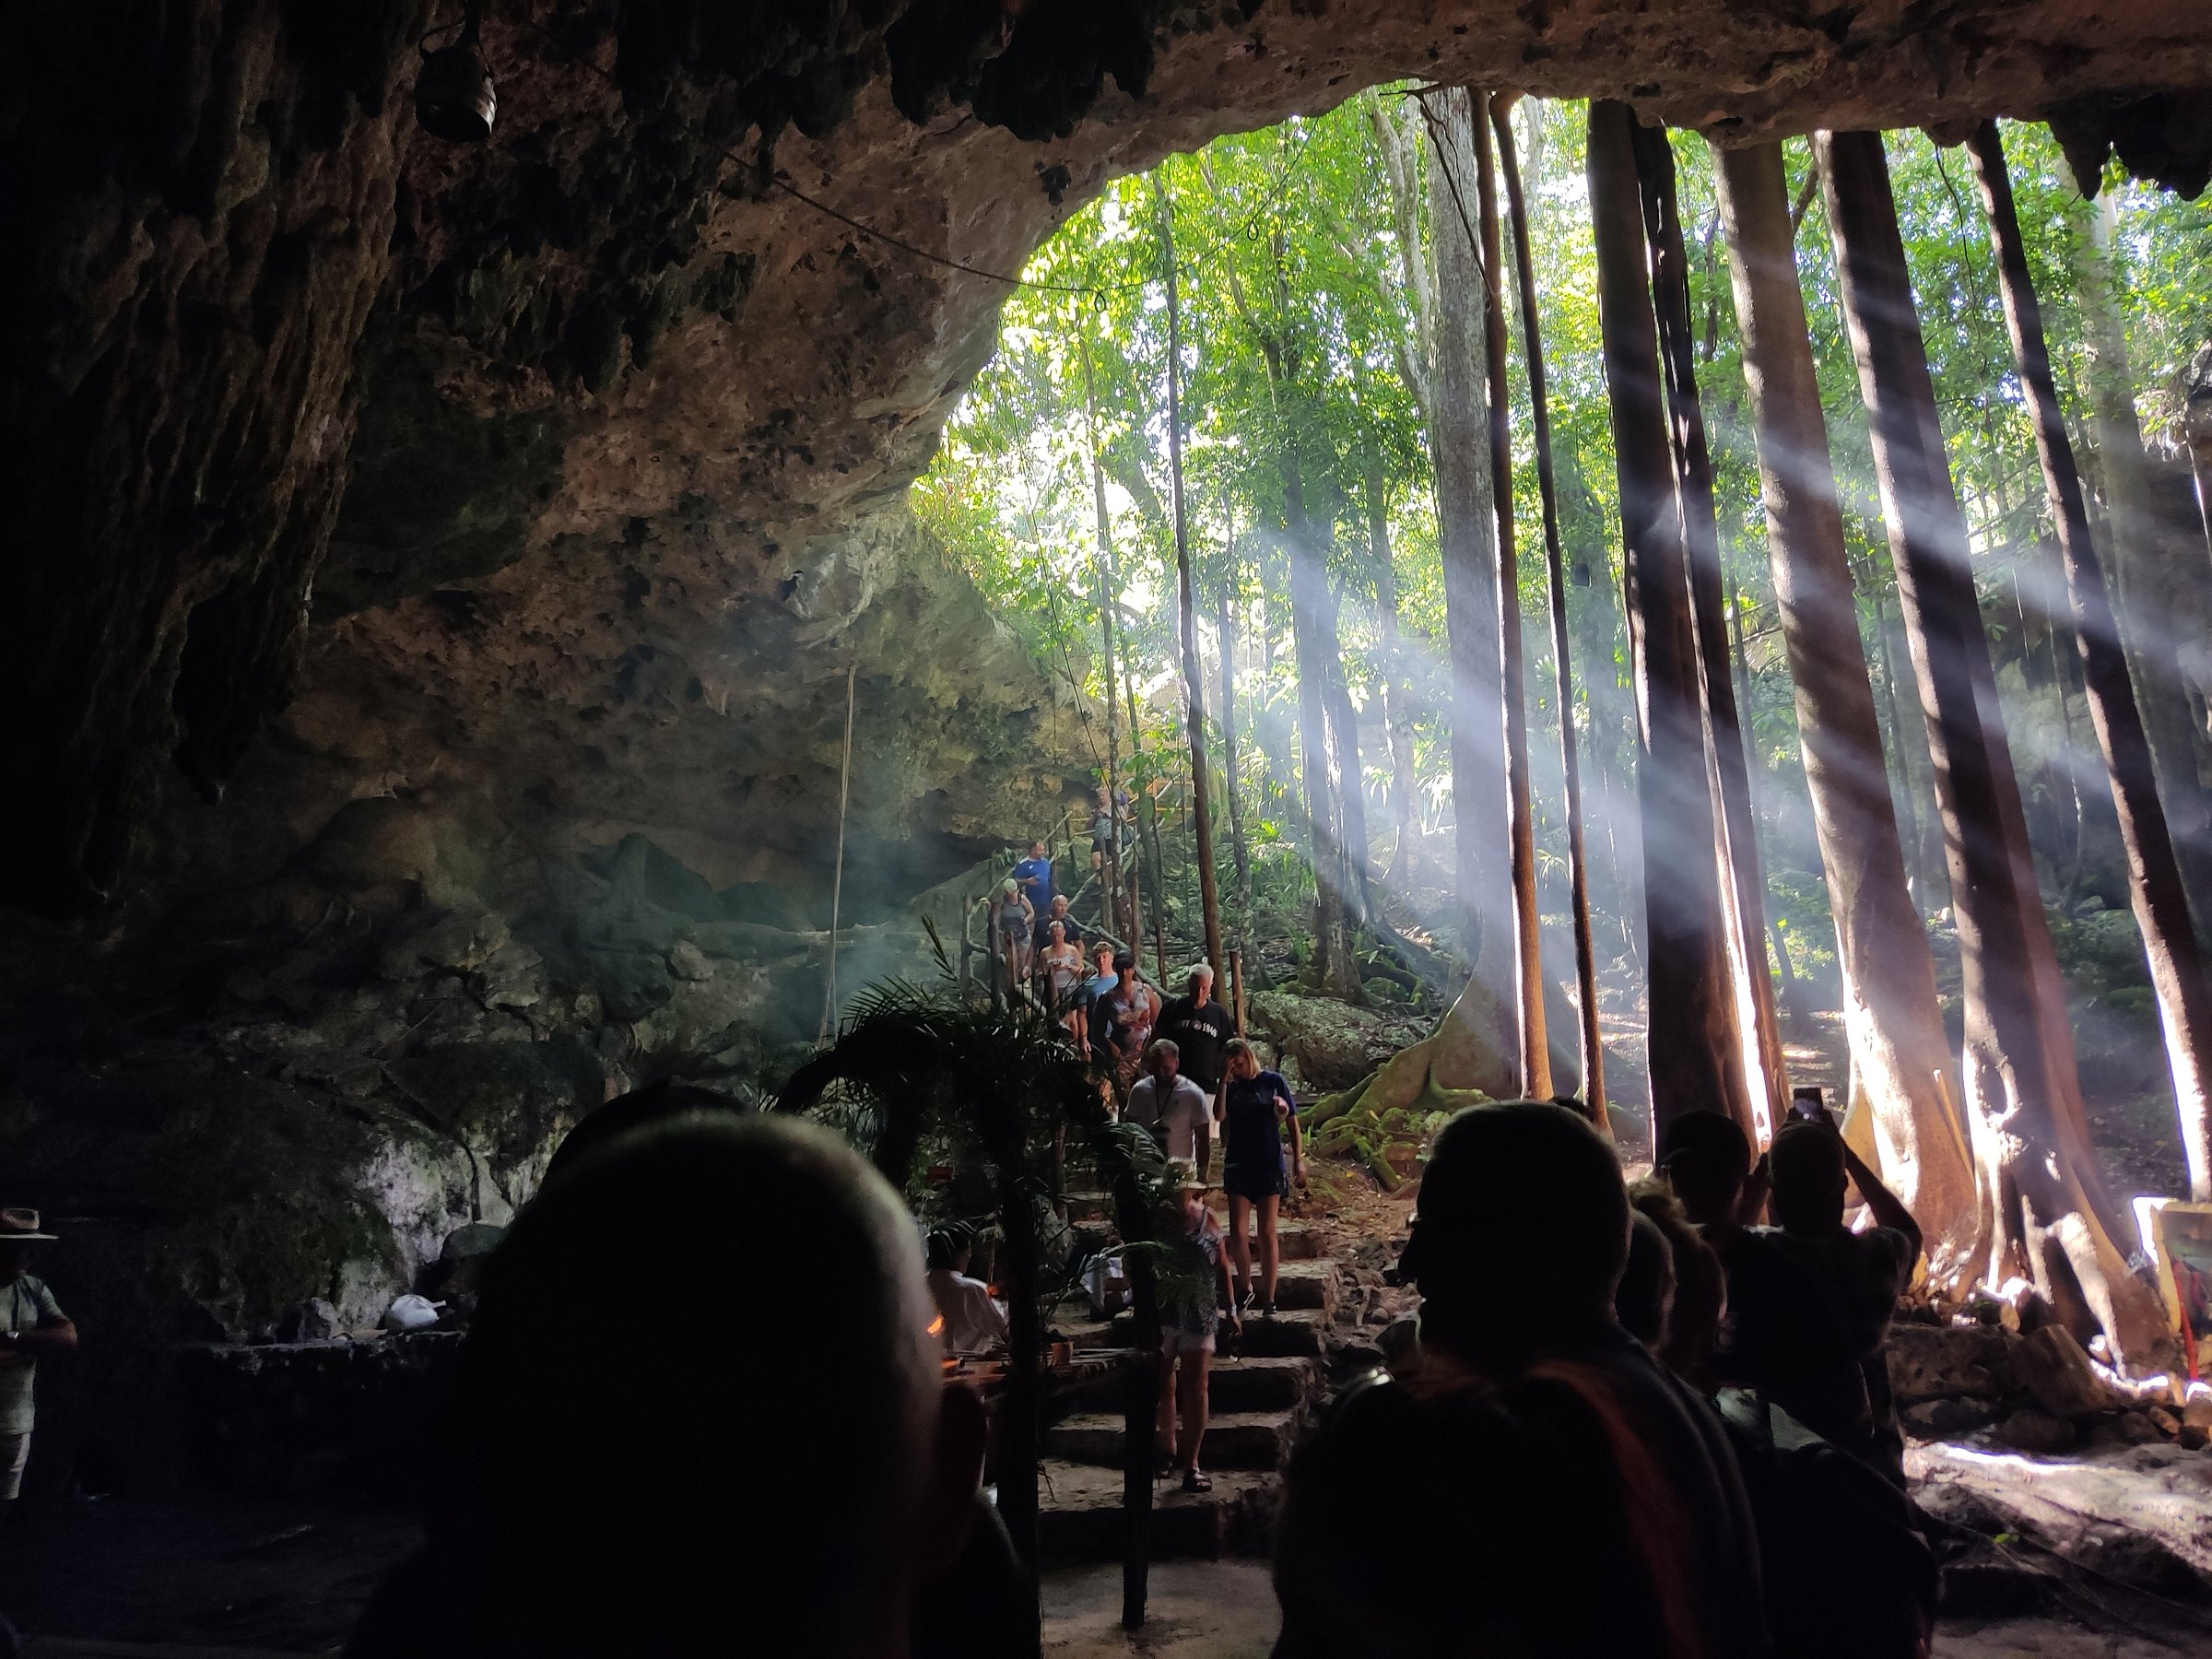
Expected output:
{"points": [[1947, 1362], [1945, 1418], [2055, 1369], [314, 1320], [2030, 1429], [1334, 1043]]}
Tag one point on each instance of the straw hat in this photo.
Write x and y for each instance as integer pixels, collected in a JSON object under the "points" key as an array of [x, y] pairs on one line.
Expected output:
{"points": [[21, 1227]]}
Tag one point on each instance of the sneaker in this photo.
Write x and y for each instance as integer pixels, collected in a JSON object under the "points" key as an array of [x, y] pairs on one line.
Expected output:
{"points": [[1266, 1310]]}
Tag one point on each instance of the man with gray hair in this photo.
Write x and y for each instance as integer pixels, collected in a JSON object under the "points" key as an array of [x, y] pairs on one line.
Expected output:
{"points": [[626, 1473], [1199, 1026]]}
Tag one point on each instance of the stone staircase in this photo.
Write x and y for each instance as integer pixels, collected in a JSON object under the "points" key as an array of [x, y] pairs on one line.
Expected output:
{"points": [[1267, 1385]]}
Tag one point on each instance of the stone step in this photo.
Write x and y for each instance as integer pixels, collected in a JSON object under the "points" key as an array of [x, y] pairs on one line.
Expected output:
{"points": [[1310, 1284], [1080, 1518], [1234, 1439], [1297, 1240], [1234, 1384], [1289, 1332]]}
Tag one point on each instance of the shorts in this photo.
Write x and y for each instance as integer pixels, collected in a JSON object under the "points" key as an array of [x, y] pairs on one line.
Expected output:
{"points": [[1255, 1184], [1173, 1340], [15, 1452]]}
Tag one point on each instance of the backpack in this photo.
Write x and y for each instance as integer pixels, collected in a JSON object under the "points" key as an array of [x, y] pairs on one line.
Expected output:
{"points": [[1848, 1575]]}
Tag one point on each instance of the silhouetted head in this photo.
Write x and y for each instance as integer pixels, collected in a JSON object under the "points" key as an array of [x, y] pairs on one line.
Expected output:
{"points": [[1521, 1234], [1809, 1177], [640, 1470], [1700, 1292], [1706, 1155], [1645, 1295], [950, 1248], [656, 1103], [1167, 1060]]}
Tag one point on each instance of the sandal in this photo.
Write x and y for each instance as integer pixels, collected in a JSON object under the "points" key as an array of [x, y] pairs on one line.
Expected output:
{"points": [[1197, 1480]]}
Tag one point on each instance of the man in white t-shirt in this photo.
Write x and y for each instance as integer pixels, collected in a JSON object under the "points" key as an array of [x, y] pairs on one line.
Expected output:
{"points": [[1173, 1107], [974, 1321]]}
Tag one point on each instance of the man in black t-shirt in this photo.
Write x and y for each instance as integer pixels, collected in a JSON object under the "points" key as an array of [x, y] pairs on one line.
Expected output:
{"points": [[1070, 930], [1199, 1026]]}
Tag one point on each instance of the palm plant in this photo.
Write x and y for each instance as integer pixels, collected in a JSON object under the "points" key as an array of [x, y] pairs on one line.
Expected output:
{"points": [[1003, 1086]]}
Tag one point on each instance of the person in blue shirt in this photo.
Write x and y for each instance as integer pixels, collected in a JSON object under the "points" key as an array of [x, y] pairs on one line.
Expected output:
{"points": [[1256, 1105], [1033, 875]]}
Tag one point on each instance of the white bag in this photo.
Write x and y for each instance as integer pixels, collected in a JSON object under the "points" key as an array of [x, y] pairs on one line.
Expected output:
{"points": [[410, 1313]]}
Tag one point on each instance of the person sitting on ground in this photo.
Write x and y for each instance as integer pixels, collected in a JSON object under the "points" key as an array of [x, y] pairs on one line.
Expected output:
{"points": [[1133, 1009], [1010, 914], [1193, 1296], [1200, 1026], [32, 1327], [1060, 976], [1859, 1274], [1782, 1335], [1538, 1486], [1256, 1106], [628, 1466], [975, 1322], [1056, 912], [1034, 876], [1179, 1113]]}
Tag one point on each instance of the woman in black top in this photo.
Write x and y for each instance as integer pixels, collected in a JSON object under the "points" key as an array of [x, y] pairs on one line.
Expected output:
{"points": [[1255, 1104]]}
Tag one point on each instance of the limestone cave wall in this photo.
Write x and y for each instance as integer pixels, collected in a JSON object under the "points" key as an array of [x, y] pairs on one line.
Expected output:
{"points": [[435, 570]]}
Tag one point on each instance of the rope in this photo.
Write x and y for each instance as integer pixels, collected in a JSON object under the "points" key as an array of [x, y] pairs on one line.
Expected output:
{"points": [[837, 880]]}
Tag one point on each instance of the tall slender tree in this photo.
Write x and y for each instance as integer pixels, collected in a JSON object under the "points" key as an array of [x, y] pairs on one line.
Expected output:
{"points": [[1193, 702], [1593, 1053], [1466, 525], [2155, 889], [1521, 829], [1692, 1040], [1891, 1015], [2042, 1198], [1744, 889], [1396, 698], [1113, 896]]}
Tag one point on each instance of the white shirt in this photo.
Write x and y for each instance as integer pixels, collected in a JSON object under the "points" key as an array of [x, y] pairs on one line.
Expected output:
{"points": [[1178, 1126], [973, 1323]]}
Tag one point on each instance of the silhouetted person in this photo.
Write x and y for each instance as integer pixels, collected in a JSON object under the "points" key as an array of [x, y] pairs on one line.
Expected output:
{"points": [[1644, 1300], [1698, 1288], [634, 1466], [1539, 1487], [1858, 1275], [659, 1102], [32, 1327]]}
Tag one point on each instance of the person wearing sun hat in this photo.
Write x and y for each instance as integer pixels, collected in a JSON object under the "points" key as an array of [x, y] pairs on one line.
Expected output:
{"points": [[1195, 1296], [32, 1327]]}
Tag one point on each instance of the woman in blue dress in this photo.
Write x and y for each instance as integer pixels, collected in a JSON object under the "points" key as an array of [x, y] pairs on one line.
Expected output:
{"points": [[1256, 1105]]}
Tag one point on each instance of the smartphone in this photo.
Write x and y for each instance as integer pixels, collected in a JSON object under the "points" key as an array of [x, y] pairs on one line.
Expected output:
{"points": [[1809, 1101]]}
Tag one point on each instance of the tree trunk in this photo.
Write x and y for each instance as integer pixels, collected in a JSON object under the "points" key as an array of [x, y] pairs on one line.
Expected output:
{"points": [[2147, 577], [1464, 526], [2042, 1205], [1193, 702], [1521, 829], [1398, 735], [1347, 770], [1239, 853], [1592, 1052], [1111, 897], [2155, 889], [1336, 969], [1891, 1011], [1693, 1045], [1743, 881]]}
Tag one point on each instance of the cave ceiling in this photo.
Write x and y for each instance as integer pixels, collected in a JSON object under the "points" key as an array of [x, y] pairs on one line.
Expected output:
{"points": [[568, 470]]}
